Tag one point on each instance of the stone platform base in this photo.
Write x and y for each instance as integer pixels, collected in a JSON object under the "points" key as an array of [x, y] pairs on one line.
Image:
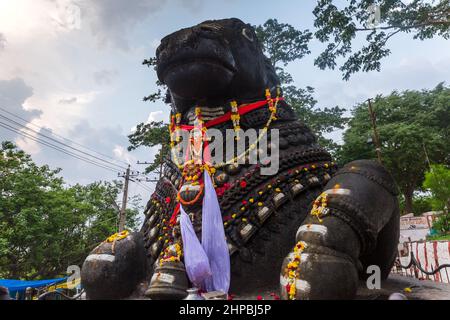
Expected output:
{"points": [[420, 290]]}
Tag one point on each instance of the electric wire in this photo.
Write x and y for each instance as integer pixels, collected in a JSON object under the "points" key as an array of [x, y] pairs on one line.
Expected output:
{"points": [[48, 144], [60, 136], [64, 144]]}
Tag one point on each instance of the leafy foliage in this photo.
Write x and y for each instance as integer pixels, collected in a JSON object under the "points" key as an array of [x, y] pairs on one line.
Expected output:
{"points": [[283, 44], [152, 134], [442, 224], [420, 204], [409, 124], [338, 28], [437, 181], [45, 226]]}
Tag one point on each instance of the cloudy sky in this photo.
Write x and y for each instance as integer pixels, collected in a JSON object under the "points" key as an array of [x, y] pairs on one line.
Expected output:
{"points": [[83, 79]]}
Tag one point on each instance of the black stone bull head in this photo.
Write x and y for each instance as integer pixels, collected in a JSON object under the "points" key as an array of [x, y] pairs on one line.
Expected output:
{"points": [[213, 62]]}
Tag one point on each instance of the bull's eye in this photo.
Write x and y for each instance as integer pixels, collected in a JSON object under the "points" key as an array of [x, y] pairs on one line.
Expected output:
{"points": [[247, 34]]}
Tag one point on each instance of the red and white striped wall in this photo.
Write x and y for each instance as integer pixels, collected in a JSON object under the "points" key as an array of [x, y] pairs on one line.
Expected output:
{"points": [[430, 255]]}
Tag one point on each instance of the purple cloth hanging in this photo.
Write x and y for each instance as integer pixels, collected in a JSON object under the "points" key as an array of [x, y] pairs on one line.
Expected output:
{"points": [[213, 240], [195, 259]]}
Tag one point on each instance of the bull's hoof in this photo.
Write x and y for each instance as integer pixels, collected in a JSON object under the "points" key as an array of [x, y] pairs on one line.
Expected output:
{"points": [[318, 276], [114, 268]]}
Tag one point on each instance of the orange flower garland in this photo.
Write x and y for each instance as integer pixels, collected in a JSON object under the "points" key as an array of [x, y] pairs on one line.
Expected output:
{"points": [[320, 206], [292, 269]]}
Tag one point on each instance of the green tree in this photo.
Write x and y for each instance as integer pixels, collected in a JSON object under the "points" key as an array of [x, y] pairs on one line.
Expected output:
{"points": [[411, 125], [338, 26], [437, 181], [46, 226], [154, 133], [421, 203], [284, 44]]}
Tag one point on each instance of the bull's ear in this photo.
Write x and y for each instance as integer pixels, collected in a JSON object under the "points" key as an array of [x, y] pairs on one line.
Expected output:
{"points": [[271, 75]]}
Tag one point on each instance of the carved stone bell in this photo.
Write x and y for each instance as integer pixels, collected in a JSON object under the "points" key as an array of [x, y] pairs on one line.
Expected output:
{"points": [[169, 282]]}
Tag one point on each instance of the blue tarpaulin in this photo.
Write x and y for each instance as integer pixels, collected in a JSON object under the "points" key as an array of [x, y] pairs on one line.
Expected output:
{"points": [[20, 286]]}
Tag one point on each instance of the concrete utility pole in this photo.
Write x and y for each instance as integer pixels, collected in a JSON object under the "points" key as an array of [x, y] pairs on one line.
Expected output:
{"points": [[375, 131], [122, 214]]}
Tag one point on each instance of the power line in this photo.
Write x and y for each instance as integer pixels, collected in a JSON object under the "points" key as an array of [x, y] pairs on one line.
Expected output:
{"points": [[48, 144], [64, 138], [104, 164], [137, 181], [45, 143], [64, 144], [143, 186]]}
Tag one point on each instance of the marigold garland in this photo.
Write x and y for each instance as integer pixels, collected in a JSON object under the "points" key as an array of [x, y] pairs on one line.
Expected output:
{"points": [[169, 256], [292, 269], [320, 206], [117, 236], [234, 117]]}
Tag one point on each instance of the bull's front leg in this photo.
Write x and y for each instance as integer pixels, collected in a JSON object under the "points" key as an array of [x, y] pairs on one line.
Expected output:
{"points": [[352, 224], [115, 267]]}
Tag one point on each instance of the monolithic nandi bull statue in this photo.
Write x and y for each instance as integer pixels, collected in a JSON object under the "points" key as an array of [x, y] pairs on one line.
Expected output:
{"points": [[309, 228]]}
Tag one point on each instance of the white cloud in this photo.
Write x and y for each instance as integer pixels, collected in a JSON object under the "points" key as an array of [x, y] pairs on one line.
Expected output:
{"points": [[61, 110], [121, 153], [104, 76], [2, 41], [155, 116], [111, 20]]}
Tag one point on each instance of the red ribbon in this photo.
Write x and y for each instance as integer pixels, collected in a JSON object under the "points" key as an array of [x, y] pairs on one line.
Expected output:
{"points": [[243, 109], [176, 211]]}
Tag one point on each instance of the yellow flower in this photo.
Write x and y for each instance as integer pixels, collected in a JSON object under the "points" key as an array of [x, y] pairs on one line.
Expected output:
{"points": [[407, 290]]}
